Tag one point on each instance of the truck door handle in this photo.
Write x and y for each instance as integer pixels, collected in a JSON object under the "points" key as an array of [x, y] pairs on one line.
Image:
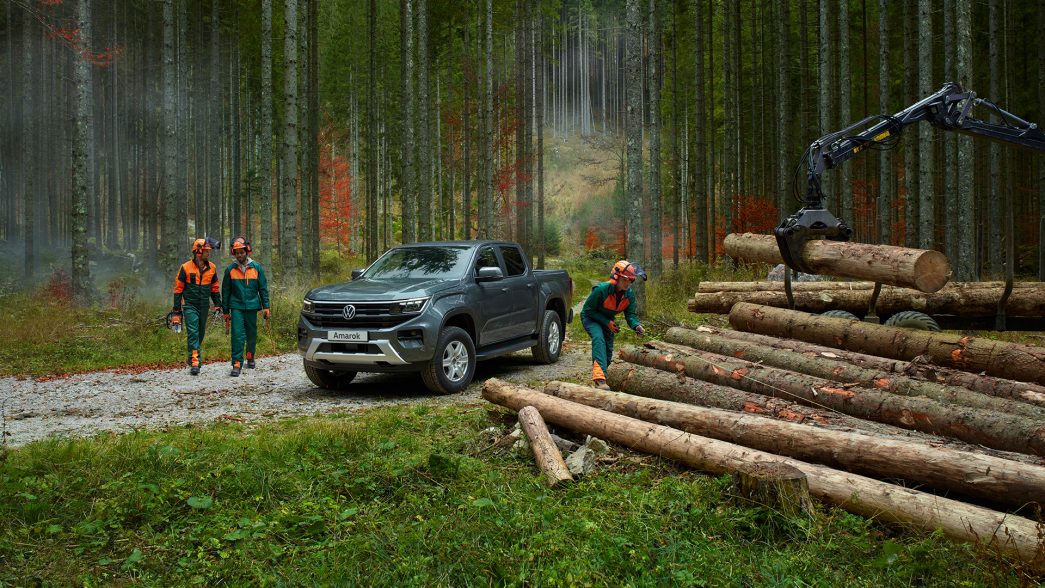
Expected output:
{"points": [[529, 284], [504, 289]]}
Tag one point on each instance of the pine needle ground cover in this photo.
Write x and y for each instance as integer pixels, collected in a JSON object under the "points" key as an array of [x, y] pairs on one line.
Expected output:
{"points": [[411, 496]]}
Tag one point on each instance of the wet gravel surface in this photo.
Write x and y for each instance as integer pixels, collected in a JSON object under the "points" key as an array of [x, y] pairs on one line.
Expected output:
{"points": [[108, 401]]}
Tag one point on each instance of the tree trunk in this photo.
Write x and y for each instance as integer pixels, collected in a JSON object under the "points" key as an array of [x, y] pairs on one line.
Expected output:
{"points": [[1012, 535], [942, 468], [28, 168], [965, 268], [409, 121], [784, 115], [1041, 161], [965, 299], [995, 220], [699, 199], [845, 178], [1004, 432], [926, 189], [81, 273], [288, 195], [539, 112], [885, 159], [653, 257], [486, 226], [840, 371], [923, 270], [997, 358], [265, 253], [424, 146], [635, 248], [372, 233], [1002, 388], [544, 450]]}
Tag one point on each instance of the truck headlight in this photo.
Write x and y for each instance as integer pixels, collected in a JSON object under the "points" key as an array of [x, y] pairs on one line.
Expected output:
{"points": [[413, 306], [307, 306]]}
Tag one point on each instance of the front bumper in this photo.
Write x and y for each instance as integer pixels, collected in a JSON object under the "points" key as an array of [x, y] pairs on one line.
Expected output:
{"points": [[400, 348]]}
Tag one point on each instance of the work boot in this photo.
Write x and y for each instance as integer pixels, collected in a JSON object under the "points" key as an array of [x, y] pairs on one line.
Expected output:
{"points": [[250, 360], [194, 362], [602, 385], [194, 370], [235, 369]]}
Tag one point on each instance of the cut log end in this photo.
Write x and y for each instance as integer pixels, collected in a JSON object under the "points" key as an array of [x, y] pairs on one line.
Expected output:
{"points": [[776, 485], [932, 271]]}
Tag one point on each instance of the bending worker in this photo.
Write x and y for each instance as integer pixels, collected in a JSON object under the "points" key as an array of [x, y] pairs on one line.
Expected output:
{"points": [[245, 291], [599, 316], [197, 280]]}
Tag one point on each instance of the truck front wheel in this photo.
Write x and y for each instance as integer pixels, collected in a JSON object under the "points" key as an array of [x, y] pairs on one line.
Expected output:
{"points": [[549, 345], [453, 366], [328, 379]]}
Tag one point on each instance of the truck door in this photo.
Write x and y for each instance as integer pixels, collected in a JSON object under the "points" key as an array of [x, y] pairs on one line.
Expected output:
{"points": [[494, 300], [522, 286]]}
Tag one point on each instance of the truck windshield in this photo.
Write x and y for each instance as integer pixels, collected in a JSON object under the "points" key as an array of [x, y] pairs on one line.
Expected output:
{"points": [[424, 263]]}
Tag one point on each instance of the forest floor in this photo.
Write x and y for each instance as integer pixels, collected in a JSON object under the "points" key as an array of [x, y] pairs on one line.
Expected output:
{"points": [[115, 401]]}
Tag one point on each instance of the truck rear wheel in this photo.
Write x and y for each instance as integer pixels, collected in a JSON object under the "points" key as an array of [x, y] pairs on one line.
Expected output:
{"points": [[549, 344], [453, 366], [329, 379]]}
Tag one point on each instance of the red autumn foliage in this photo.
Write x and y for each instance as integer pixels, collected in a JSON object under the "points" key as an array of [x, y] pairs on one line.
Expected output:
{"points": [[335, 201], [755, 215], [59, 286]]}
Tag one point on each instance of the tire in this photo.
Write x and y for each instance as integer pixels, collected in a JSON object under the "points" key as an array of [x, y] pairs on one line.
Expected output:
{"points": [[329, 379], [549, 346], [453, 366], [912, 319], [845, 314]]}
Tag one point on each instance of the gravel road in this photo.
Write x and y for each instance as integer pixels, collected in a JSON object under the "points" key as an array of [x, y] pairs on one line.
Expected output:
{"points": [[95, 402]]}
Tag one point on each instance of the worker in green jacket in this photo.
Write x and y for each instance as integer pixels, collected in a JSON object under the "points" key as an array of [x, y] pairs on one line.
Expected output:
{"points": [[197, 280], [598, 317], [245, 291]]}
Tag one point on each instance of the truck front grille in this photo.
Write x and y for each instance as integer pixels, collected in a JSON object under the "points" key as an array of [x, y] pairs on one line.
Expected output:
{"points": [[369, 315]]}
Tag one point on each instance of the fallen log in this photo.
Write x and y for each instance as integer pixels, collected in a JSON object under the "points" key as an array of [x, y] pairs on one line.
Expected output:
{"points": [[953, 299], [669, 382], [921, 269], [774, 286], [997, 358], [970, 474], [839, 371], [1011, 535], [544, 450], [917, 368], [1001, 431]]}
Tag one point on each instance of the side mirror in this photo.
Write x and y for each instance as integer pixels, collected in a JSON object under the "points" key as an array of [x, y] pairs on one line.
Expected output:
{"points": [[356, 273], [489, 274]]}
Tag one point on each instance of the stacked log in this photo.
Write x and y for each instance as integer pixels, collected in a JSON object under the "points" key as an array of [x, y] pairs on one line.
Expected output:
{"points": [[923, 270], [1013, 361], [966, 299], [1009, 534]]}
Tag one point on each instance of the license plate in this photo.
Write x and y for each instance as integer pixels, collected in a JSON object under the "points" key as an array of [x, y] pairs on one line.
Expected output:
{"points": [[349, 336]]}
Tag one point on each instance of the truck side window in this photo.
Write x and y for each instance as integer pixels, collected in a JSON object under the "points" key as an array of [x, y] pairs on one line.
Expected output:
{"points": [[487, 258], [513, 261]]}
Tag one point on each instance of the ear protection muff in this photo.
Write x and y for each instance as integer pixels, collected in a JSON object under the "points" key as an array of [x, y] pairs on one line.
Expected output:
{"points": [[206, 243]]}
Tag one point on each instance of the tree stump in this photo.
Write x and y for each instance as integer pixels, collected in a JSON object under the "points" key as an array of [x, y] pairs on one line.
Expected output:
{"points": [[776, 485]]}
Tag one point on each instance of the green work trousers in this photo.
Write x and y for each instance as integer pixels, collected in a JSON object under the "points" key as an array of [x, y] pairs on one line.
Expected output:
{"points": [[601, 347], [195, 328], [244, 333]]}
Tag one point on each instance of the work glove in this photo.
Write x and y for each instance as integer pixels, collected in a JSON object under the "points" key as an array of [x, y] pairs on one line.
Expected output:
{"points": [[613, 327], [641, 331], [228, 322], [265, 313]]}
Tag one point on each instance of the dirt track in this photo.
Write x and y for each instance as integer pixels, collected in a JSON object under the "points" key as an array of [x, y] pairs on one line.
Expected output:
{"points": [[86, 404]]}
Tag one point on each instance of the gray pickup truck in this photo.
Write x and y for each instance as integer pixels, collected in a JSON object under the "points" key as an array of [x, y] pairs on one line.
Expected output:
{"points": [[434, 308]]}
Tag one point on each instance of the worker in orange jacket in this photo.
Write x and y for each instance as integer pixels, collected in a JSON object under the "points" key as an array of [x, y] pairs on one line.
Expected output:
{"points": [[598, 317], [197, 281]]}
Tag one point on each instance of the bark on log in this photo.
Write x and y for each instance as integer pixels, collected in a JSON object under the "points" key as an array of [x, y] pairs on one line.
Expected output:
{"points": [[921, 269], [1012, 535], [774, 286], [919, 367], [780, 486], [669, 382], [970, 474], [839, 371], [1000, 431], [997, 358], [544, 450], [954, 299]]}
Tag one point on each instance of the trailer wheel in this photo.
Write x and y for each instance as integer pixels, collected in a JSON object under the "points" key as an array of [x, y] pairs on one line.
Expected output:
{"points": [[912, 319], [844, 314]]}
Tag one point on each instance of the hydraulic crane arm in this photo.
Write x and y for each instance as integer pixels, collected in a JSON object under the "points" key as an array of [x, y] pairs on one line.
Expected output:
{"points": [[950, 108]]}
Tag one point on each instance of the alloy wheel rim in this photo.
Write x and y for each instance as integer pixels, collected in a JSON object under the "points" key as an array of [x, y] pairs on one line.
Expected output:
{"points": [[455, 361], [553, 338]]}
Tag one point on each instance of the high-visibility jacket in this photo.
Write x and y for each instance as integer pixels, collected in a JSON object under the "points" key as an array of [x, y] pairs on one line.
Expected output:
{"points": [[605, 302], [244, 287], [193, 286]]}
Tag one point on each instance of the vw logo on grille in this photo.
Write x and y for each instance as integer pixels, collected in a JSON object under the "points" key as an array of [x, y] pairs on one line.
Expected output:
{"points": [[349, 312]]}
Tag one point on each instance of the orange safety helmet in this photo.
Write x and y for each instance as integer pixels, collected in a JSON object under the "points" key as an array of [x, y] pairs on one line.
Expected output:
{"points": [[626, 269], [206, 243], [240, 243]]}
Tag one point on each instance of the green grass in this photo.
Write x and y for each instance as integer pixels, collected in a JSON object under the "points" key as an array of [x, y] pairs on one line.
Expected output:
{"points": [[403, 496]]}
